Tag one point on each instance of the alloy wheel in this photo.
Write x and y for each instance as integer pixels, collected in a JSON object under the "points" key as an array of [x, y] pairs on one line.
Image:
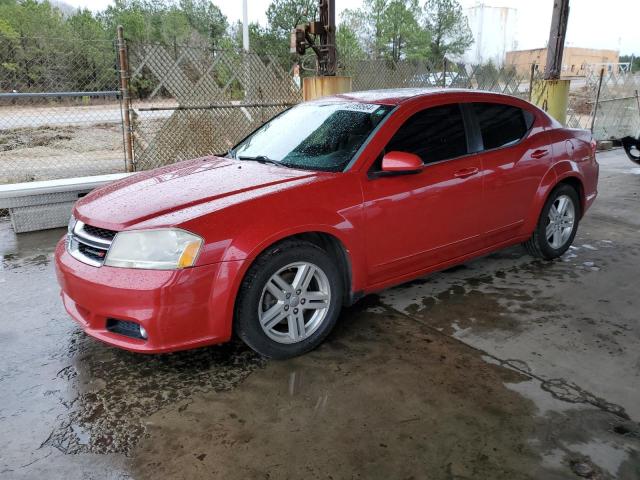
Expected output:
{"points": [[561, 219], [294, 302]]}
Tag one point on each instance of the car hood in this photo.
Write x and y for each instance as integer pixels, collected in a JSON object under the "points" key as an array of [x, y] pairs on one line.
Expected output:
{"points": [[182, 185]]}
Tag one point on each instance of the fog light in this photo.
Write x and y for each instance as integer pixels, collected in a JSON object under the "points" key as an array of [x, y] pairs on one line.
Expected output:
{"points": [[143, 332]]}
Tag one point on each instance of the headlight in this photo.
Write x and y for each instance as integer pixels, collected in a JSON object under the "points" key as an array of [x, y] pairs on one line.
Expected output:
{"points": [[154, 249]]}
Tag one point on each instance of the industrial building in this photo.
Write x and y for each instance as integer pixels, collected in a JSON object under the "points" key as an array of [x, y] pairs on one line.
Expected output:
{"points": [[576, 62]]}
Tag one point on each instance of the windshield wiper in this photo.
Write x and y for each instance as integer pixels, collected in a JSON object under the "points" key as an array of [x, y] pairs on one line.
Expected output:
{"points": [[262, 159]]}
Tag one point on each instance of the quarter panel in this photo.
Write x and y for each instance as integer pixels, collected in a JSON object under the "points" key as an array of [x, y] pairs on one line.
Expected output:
{"points": [[558, 172]]}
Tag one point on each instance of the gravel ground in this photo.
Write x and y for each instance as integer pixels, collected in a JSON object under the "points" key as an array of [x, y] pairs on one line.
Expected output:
{"points": [[60, 151]]}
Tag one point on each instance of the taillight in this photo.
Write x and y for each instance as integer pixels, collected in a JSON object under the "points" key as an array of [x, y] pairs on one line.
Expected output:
{"points": [[594, 144]]}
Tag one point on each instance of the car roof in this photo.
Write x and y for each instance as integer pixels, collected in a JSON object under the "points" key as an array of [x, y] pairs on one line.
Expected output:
{"points": [[395, 96]]}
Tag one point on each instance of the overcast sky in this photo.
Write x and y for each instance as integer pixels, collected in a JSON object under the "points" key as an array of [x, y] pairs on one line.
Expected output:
{"points": [[592, 23]]}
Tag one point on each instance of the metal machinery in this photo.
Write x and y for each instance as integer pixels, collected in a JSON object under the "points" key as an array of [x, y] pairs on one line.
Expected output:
{"points": [[320, 36]]}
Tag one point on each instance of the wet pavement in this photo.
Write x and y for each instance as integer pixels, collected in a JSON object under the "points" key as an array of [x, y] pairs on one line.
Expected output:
{"points": [[503, 368]]}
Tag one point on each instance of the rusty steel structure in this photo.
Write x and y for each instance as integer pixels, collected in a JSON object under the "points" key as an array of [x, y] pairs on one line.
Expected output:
{"points": [[320, 36]]}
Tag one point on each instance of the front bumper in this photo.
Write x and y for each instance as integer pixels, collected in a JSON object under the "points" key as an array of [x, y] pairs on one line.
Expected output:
{"points": [[179, 309]]}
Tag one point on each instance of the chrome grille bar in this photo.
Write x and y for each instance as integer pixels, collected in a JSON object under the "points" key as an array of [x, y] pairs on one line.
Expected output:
{"points": [[80, 244]]}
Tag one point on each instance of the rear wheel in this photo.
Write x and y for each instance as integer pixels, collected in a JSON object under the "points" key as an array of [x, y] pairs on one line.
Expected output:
{"points": [[557, 225], [289, 301]]}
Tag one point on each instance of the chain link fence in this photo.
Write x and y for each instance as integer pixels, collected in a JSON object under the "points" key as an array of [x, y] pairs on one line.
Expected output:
{"points": [[60, 112], [617, 113], [191, 101], [379, 74], [605, 101]]}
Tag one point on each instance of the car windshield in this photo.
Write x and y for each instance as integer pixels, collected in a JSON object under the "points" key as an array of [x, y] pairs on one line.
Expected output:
{"points": [[315, 136]]}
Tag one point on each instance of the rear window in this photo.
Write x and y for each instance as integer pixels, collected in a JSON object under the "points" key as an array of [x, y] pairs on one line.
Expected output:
{"points": [[502, 125]]}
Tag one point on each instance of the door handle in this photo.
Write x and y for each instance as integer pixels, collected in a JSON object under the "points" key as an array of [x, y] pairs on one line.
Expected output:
{"points": [[539, 153], [466, 172]]}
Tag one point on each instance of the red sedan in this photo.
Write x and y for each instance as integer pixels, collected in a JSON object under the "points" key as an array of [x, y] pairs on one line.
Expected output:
{"points": [[330, 200]]}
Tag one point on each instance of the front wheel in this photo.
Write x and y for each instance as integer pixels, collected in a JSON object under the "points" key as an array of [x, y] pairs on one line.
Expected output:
{"points": [[289, 300], [557, 225]]}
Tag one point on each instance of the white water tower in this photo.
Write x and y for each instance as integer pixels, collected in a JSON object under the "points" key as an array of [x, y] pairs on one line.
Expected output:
{"points": [[494, 33]]}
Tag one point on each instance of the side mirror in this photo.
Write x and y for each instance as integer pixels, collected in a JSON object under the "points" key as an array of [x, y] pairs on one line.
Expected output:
{"points": [[401, 163]]}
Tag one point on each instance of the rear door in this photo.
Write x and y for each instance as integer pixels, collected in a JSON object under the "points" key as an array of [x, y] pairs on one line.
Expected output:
{"points": [[419, 220], [515, 155]]}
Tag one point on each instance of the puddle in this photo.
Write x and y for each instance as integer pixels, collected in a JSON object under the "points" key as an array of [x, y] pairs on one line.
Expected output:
{"points": [[112, 391], [607, 456], [575, 437], [12, 262]]}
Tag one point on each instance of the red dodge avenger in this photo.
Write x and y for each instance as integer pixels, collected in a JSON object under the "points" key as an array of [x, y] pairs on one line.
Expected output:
{"points": [[330, 200]]}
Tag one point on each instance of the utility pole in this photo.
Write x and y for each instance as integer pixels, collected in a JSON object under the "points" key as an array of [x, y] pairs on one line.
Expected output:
{"points": [[551, 93], [245, 26], [557, 36]]}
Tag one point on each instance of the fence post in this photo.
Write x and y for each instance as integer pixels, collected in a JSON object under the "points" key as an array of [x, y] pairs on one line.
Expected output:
{"points": [[595, 108], [533, 72], [125, 104], [444, 73]]}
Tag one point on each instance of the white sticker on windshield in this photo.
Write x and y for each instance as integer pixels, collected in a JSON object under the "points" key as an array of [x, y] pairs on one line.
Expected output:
{"points": [[360, 107]]}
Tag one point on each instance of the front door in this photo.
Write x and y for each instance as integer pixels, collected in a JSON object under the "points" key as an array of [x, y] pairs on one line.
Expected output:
{"points": [[421, 220]]}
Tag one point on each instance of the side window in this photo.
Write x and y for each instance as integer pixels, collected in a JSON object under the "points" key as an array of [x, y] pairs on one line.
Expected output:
{"points": [[502, 125], [433, 134]]}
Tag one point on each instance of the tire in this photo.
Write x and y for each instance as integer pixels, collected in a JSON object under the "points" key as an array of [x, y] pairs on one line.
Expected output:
{"points": [[548, 247], [296, 318]]}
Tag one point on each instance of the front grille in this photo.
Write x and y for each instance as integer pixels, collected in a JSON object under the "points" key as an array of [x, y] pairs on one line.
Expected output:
{"points": [[98, 232], [90, 244], [124, 327], [96, 254]]}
